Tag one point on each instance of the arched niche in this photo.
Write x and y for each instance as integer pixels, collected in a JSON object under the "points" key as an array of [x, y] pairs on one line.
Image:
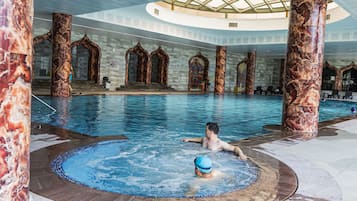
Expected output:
{"points": [[329, 75], [241, 76], [159, 65], [349, 77], [198, 73], [42, 59], [85, 60], [137, 66]]}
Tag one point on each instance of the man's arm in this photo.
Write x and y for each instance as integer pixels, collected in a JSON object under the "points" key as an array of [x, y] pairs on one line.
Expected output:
{"points": [[234, 149], [197, 139], [239, 153]]}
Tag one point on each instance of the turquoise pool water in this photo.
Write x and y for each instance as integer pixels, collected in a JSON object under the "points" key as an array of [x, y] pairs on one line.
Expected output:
{"points": [[172, 116], [154, 161], [163, 169]]}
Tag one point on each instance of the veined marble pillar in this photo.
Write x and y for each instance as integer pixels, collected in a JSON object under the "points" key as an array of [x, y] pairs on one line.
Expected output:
{"points": [[304, 62], [61, 54], [281, 75], [15, 97], [249, 84], [221, 58], [338, 80]]}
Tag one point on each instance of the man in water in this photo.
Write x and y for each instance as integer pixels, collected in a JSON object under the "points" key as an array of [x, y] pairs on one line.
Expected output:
{"points": [[212, 142]]}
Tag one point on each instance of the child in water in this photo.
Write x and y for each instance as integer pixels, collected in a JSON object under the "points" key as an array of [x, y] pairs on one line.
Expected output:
{"points": [[204, 174]]}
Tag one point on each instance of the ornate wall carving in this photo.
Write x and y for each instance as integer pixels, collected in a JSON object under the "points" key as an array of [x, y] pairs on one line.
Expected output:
{"points": [[94, 57], [163, 63], [198, 73], [143, 66], [328, 71], [42, 54], [241, 76], [351, 82], [40, 38]]}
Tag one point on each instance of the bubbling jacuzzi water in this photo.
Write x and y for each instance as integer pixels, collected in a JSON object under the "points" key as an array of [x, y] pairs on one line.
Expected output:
{"points": [[147, 170]]}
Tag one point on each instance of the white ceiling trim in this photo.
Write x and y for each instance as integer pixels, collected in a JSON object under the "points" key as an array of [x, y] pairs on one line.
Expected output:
{"points": [[349, 5], [136, 17]]}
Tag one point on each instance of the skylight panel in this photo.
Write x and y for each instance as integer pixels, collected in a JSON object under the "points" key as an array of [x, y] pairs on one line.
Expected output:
{"points": [[277, 5], [241, 4], [215, 3]]}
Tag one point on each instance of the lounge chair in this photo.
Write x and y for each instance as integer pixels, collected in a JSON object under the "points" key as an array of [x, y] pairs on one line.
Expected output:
{"points": [[259, 90], [348, 95], [278, 91], [270, 90], [334, 94]]}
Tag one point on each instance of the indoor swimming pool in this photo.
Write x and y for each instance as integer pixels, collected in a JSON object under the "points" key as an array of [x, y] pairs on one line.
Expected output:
{"points": [[170, 116], [154, 161]]}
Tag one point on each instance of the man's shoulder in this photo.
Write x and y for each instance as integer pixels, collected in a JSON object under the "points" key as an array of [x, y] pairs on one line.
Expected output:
{"points": [[220, 141], [223, 144]]}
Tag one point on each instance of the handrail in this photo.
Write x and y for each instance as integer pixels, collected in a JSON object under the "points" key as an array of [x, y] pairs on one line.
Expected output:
{"points": [[43, 102]]}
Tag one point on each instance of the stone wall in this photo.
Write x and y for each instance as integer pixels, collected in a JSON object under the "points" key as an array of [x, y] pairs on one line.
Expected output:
{"points": [[267, 72], [114, 47], [231, 70], [42, 60]]}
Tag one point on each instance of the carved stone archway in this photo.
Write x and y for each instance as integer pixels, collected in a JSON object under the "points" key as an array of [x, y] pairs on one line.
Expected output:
{"points": [[140, 70], [94, 57], [160, 62], [40, 38], [351, 85], [198, 73], [331, 79], [241, 76], [38, 62]]}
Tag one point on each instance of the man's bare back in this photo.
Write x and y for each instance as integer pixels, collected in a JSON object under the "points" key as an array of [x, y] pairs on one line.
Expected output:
{"points": [[212, 142]]}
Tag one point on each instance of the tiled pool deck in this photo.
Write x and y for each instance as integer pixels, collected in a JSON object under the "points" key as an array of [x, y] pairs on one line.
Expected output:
{"points": [[292, 168]]}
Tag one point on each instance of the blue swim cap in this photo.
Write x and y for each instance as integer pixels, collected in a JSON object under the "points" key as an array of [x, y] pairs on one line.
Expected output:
{"points": [[203, 164]]}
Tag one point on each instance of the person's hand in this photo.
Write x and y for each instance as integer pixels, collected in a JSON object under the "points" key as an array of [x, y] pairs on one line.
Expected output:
{"points": [[185, 140], [243, 157]]}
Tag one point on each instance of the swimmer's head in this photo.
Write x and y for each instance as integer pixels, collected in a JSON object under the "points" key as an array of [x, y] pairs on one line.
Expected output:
{"points": [[203, 164], [353, 110], [212, 130]]}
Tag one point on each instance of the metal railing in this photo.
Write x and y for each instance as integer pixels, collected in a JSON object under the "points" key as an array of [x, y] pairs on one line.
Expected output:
{"points": [[43, 102]]}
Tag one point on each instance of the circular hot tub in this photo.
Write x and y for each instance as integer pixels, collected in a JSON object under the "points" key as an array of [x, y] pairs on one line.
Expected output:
{"points": [[153, 170]]}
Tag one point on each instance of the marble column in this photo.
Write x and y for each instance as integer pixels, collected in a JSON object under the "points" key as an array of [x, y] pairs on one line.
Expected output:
{"points": [[61, 54], [338, 80], [220, 70], [304, 62], [15, 97], [249, 83], [281, 76]]}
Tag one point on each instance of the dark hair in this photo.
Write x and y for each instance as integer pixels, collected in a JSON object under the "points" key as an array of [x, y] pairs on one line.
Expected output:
{"points": [[213, 127]]}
